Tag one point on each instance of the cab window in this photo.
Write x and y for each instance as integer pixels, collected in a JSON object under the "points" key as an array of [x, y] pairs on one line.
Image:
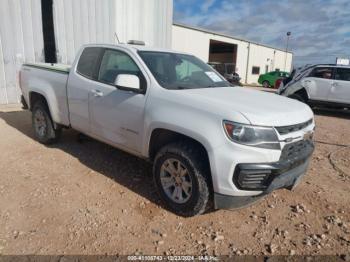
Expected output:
{"points": [[322, 72], [114, 63], [88, 61], [179, 71], [342, 74]]}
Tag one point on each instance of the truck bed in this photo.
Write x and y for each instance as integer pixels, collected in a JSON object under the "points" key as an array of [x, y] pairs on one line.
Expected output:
{"points": [[63, 68], [50, 81]]}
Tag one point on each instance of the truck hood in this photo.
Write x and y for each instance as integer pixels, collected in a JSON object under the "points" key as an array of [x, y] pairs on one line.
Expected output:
{"points": [[260, 108]]}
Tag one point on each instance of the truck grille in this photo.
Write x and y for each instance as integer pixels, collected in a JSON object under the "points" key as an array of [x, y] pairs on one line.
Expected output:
{"points": [[295, 150], [283, 130]]}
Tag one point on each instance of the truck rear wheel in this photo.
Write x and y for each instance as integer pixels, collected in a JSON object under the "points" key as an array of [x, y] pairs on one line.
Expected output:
{"points": [[182, 179], [43, 126]]}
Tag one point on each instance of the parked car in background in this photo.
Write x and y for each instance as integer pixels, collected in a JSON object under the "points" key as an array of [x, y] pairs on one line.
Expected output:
{"points": [[268, 80], [227, 70], [327, 85], [278, 82], [209, 142]]}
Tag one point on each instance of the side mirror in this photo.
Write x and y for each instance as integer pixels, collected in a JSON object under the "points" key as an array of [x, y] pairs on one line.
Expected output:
{"points": [[128, 82]]}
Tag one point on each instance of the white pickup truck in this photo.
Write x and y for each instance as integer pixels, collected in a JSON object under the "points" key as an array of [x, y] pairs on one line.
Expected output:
{"points": [[209, 142]]}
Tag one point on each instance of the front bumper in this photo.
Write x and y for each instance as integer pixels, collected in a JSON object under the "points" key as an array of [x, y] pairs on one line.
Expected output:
{"points": [[259, 177], [267, 177]]}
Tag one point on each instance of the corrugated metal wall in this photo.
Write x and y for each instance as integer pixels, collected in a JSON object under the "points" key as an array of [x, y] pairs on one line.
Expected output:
{"points": [[96, 21], [20, 40], [76, 22]]}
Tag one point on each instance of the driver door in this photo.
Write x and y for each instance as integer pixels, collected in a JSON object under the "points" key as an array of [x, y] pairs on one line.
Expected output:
{"points": [[116, 116], [318, 84]]}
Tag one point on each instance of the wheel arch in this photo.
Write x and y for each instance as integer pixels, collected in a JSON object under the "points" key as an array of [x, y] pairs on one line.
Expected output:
{"points": [[34, 97], [303, 93], [195, 151], [161, 137]]}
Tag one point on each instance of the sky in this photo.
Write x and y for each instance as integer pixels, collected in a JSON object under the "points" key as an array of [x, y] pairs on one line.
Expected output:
{"points": [[320, 29]]}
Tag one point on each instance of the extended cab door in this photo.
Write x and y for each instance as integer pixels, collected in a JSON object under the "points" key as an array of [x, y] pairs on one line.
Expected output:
{"points": [[80, 84], [340, 88], [318, 83], [117, 116]]}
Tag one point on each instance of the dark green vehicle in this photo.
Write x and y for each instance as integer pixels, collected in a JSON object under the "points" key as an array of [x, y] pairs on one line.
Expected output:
{"points": [[269, 79]]}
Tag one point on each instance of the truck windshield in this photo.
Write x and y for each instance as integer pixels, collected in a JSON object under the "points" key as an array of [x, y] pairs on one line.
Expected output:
{"points": [[180, 71]]}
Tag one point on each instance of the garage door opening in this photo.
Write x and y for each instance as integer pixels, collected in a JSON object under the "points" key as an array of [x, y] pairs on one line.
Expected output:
{"points": [[223, 53], [48, 31]]}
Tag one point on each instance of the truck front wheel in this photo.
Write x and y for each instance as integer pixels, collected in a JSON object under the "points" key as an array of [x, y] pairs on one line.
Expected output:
{"points": [[181, 178], [43, 126]]}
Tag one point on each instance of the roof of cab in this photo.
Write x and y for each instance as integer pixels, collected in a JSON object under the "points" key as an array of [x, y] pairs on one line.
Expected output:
{"points": [[332, 65], [136, 48]]}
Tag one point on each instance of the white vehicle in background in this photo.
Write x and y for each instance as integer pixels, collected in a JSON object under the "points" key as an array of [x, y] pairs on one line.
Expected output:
{"points": [[208, 141], [327, 85]]}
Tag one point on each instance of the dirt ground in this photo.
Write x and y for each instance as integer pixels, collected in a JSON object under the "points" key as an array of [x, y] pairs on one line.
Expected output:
{"points": [[89, 198]]}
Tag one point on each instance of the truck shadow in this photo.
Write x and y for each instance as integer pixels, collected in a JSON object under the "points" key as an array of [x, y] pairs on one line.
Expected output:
{"points": [[125, 169]]}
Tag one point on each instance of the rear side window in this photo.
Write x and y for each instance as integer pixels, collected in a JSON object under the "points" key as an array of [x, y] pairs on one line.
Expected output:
{"points": [[88, 61], [343, 74], [322, 72]]}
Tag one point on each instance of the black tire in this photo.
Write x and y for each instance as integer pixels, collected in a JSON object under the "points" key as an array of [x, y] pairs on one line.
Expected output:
{"points": [[192, 159], [47, 133], [298, 97], [266, 84]]}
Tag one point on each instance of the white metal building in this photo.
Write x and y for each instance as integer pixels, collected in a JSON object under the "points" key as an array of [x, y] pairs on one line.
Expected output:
{"points": [[251, 59], [53, 31]]}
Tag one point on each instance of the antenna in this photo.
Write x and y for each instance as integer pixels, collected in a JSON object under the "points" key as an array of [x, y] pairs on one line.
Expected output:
{"points": [[116, 37]]}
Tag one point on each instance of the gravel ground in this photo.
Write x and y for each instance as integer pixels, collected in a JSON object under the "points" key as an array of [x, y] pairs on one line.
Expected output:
{"points": [[88, 198]]}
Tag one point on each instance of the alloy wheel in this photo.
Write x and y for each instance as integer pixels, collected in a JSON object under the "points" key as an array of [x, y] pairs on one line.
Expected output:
{"points": [[176, 180], [40, 123]]}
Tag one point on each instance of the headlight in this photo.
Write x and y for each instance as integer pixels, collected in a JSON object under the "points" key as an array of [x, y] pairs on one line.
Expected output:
{"points": [[264, 137]]}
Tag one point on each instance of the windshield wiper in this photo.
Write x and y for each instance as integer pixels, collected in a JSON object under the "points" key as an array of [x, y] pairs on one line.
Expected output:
{"points": [[183, 87]]}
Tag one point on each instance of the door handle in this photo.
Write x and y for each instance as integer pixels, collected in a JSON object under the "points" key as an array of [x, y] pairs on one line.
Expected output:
{"points": [[97, 93]]}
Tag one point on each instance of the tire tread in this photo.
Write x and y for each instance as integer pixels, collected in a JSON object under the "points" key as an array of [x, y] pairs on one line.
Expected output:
{"points": [[53, 134], [194, 156]]}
